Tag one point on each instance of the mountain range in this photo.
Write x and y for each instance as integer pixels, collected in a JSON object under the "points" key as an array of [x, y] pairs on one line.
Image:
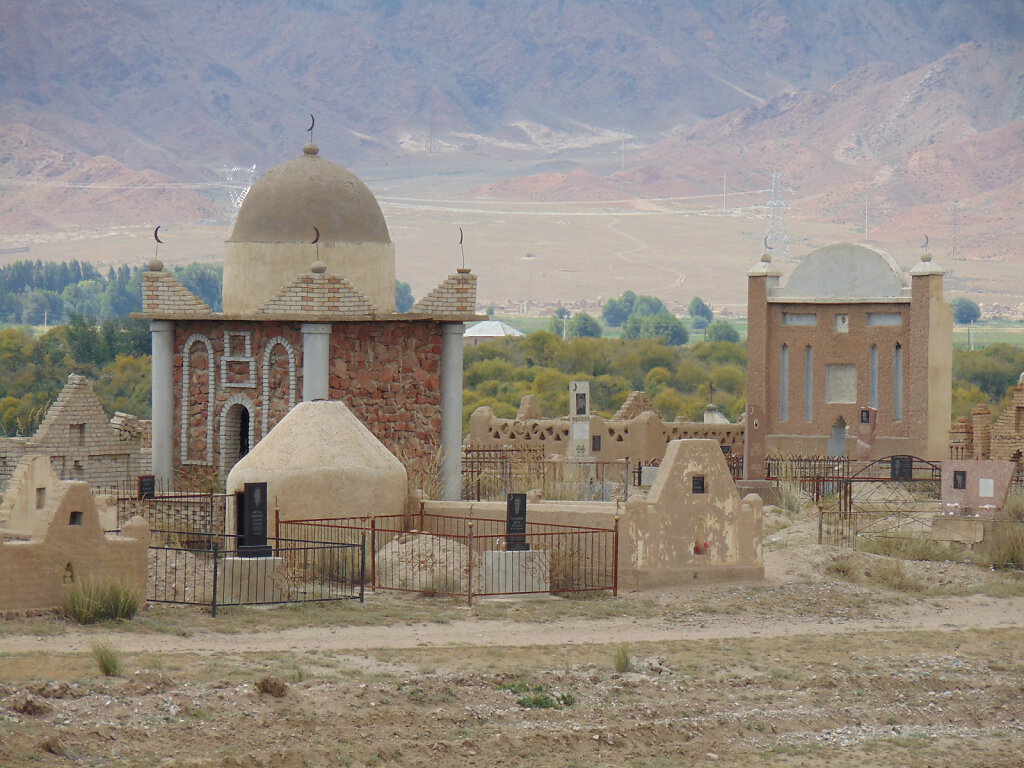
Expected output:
{"points": [[907, 112]]}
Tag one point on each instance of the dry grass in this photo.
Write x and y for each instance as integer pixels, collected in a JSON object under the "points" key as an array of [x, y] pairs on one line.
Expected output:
{"points": [[107, 659], [90, 602], [908, 548], [1003, 547]]}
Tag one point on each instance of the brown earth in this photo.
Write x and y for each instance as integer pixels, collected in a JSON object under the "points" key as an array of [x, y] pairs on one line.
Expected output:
{"points": [[802, 669]]}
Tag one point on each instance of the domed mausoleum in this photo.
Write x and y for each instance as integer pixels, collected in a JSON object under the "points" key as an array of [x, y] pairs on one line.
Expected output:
{"points": [[851, 357], [309, 314]]}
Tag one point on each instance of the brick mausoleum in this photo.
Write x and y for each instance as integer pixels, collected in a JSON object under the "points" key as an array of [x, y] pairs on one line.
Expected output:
{"points": [[309, 313]]}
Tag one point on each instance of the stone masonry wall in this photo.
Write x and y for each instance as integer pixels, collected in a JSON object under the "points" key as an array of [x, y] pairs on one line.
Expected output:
{"points": [[387, 373]]}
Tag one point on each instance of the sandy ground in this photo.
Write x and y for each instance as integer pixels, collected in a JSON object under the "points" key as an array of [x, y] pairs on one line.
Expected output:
{"points": [[802, 669]]}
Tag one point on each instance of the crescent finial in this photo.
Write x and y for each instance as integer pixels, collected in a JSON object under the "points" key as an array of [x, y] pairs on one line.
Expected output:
{"points": [[925, 245], [312, 122], [317, 238], [766, 246], [156, 234]]}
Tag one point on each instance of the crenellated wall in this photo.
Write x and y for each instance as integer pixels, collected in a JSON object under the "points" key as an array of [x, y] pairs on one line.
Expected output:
{"points": [[641, 439]]}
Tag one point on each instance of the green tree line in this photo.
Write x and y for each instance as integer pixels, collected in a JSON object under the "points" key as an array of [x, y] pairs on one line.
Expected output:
{"points": [[49, 293], [33, 369]]}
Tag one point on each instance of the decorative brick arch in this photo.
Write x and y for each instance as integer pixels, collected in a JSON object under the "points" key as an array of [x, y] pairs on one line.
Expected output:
{"points": [[186, 383], [267, 390], [230, 415]]}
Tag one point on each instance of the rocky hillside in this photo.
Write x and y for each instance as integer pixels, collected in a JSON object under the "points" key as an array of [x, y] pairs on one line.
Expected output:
{"points": [[104, 106]]}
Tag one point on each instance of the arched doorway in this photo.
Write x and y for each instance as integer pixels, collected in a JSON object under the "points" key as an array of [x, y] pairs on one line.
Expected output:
{"points": [[837, 442], [236, 434]]}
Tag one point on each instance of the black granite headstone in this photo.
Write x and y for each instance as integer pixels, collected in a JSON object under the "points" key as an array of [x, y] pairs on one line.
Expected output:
{"points": [[254, 522], [147, 486], [515, 523]]}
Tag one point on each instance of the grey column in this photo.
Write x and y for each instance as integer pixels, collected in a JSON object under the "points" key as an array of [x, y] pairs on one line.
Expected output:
{"points": [[316, 347], [451, 410], [162, 402]]}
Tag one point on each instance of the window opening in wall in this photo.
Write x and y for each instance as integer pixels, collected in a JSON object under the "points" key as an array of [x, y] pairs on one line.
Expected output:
{"points": [[884, 318], [873, 394], [76, 518], [960, 479], [40, 498], [78, 434], [784, 383], [799, 318], [842, 323], [698, 484], [809, 384], [897, 384], [69, 574]]}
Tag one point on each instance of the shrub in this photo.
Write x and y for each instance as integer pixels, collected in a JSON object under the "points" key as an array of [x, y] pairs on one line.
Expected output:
{"points": [[274, 686], [107, 659], [89, 603], [622, 661]]}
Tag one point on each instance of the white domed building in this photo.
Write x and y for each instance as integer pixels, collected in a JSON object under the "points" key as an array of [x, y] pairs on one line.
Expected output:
{"points": [[309, 314]]}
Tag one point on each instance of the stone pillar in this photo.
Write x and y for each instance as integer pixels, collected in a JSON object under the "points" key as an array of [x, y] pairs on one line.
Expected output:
{"points": [[451, 410], [162, 402], [316, 347]]}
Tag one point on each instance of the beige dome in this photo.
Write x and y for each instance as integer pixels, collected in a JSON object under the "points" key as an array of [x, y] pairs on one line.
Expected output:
{"points": [[272, 242], [289, 200]]}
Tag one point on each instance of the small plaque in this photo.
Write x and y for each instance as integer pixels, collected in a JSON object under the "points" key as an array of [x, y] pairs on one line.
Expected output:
{"points": [[698, 484], [901, 468], [595, 444]]}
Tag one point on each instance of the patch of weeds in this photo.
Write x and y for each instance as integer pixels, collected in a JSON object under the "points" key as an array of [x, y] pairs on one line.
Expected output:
{"points": [[1012, 585], [781, 673], [907, 548], [521, 686], [547, 701], [843, 568], [107, 659], [893, 575], [797, 749], [197, 713], [622, 661]]}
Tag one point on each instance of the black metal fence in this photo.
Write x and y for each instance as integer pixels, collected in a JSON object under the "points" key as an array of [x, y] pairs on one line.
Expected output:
{"points": [[190, 568], [456, 556], [489, 474], [203, 513]]}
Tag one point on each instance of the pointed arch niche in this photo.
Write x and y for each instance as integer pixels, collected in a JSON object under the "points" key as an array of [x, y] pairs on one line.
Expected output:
{"points": [[197, 395], [279, 387]]}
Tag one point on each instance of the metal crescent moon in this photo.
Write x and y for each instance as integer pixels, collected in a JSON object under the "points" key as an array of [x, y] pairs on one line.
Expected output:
{"points": [[156, 235], [317, 238], [312, 122], [925, 246], [766, 246], [460, 235]]}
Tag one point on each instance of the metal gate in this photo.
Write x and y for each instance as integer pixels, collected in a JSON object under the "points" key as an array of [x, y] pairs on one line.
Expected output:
{"points": [[895, 496]]}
